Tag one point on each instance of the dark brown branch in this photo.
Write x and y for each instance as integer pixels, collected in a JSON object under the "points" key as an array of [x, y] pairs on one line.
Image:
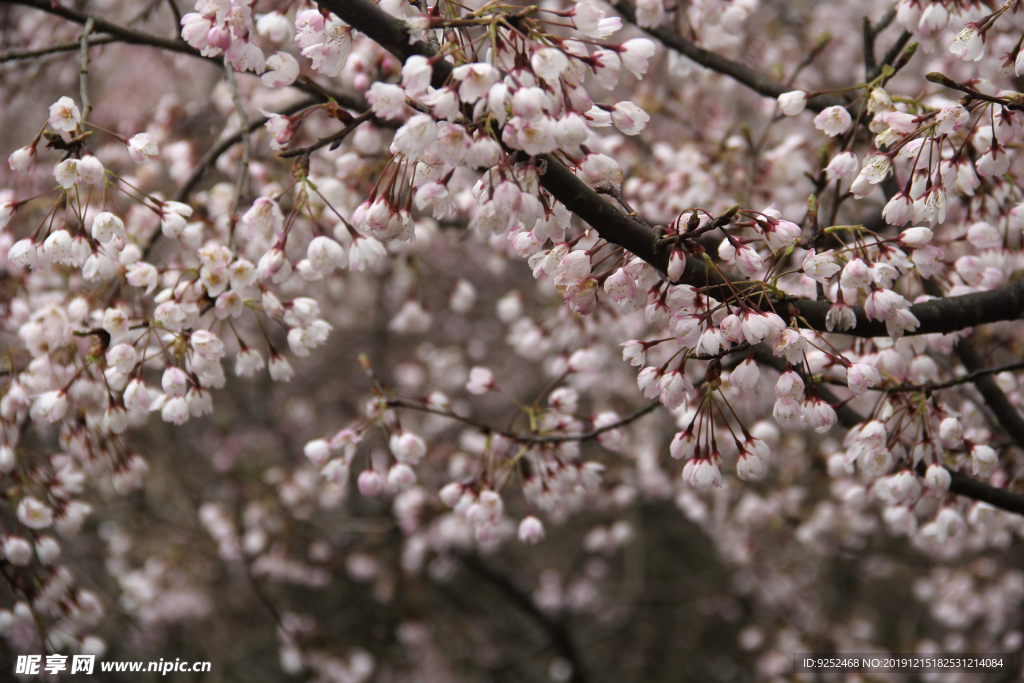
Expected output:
{"points": [[593, 434], [175, 12], [15, 55], [871, 31], [962, 485], [556, 631], [753, 79], [972, 94], [940, 315], [328, 140], [869, 47], [1005, 412], [890, 57], [123, 34]]}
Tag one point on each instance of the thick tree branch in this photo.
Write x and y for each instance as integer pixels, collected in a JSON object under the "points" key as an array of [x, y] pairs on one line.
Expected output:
{"points": [[742, 73], [1005, 412], [939, 316]]}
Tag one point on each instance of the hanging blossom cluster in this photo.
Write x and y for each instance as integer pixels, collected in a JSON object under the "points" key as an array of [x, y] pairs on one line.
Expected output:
{"points": [[124, 302]]}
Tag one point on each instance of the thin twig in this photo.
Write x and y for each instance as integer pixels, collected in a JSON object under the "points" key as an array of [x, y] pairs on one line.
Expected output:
{"points": [[83, 73], [176, 13], [946, 81], [73, 46], [891, 55], [870, 34], [243, 121], [333, 138], [970, 377], [398, 402]]}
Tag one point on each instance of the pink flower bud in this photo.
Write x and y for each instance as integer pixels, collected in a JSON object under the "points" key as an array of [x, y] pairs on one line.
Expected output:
{"points": [[531, 530], [793, 102], [370, 483], [480, 381], [318, 451]]}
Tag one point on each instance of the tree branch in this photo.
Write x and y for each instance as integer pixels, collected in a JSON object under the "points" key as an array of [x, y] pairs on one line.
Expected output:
{"points": [[753, 79], [83, 73], [871, 67], [398, 402], [73, 46], [122, 33], [891, 55], [328, 140], [970, 377], [947, 82], [939, 315], [1005, 412], [560, 637], [133, 37]]}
